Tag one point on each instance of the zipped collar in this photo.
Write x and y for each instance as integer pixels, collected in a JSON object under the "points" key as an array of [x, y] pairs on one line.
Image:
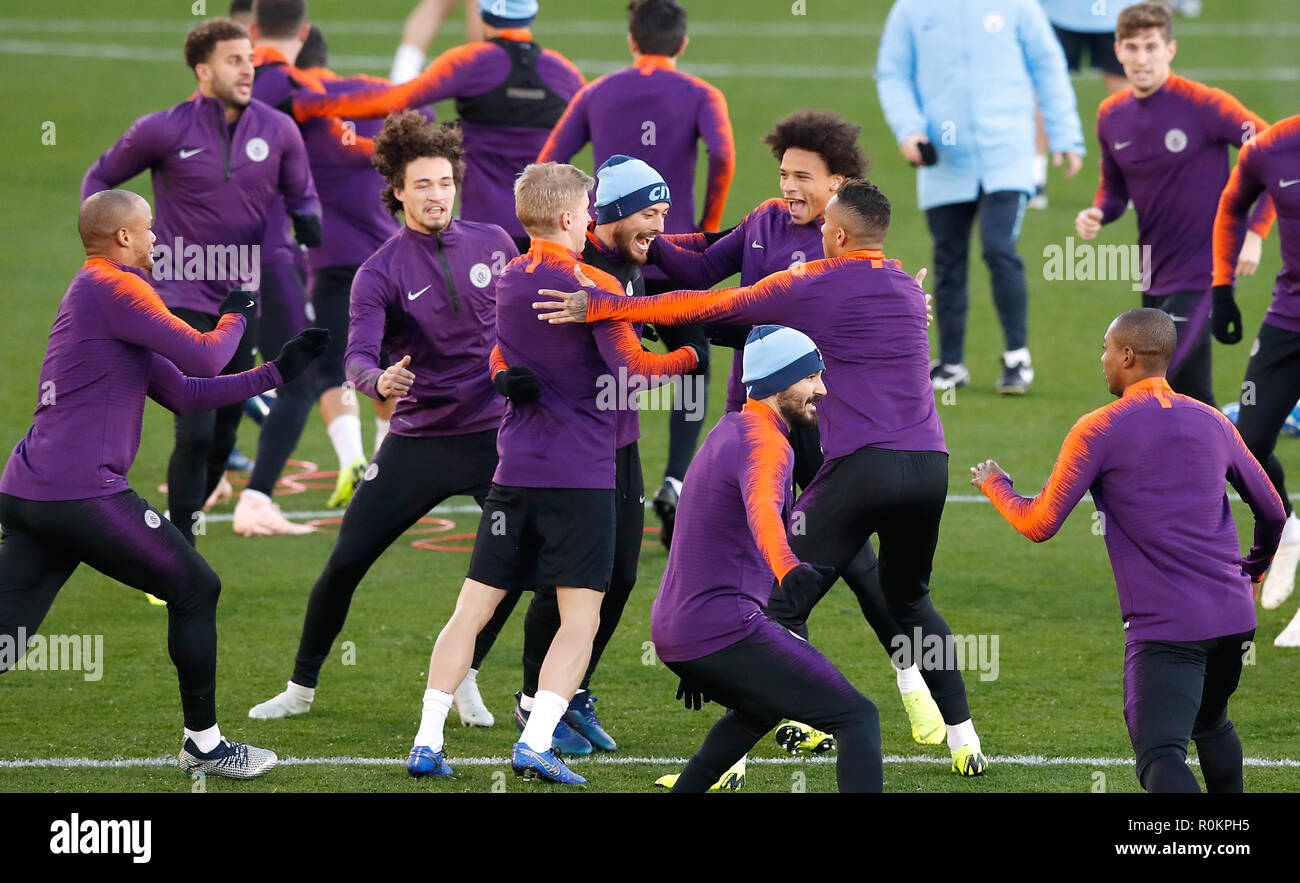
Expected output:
{"points": [[542, 248], [1155, 385], [449, 234]]}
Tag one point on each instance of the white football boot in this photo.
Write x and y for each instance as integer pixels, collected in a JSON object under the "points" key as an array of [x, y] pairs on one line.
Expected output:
{"points": [[469, 703], [1280, 581], [294, 700]]}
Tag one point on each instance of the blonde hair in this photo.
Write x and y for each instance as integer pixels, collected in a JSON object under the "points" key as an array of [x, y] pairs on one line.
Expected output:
{"points": [[544, 190]]}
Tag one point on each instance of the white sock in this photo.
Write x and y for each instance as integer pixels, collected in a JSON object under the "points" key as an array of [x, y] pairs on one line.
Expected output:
{"points": [[1016, 357], [909, 679], [962, 734], [547, 710], [526, 702], [407, 63], [436, 705], [205, 740], [676, 484], [1291, 530], [381, 430], [298, 691], [345, 435], [1040, 169]]}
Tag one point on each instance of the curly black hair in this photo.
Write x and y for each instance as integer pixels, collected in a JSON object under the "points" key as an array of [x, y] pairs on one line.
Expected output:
{"points": [[408, 136], [826, 134]]}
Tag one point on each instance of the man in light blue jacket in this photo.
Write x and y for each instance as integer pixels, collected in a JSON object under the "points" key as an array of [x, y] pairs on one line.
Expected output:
{"points": [[957, 81]]}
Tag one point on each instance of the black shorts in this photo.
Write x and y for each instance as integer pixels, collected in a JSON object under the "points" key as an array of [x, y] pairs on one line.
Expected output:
{"points": [[531, 537], [1101, 49], [331, 297]]}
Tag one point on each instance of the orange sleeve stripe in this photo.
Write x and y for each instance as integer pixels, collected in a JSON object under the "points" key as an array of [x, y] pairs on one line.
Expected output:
{"points": [[1039, 517], [723, 164], [764, 494], [140, 297], [1226, 237], [381, 101], [645, 364], [496, 363]]}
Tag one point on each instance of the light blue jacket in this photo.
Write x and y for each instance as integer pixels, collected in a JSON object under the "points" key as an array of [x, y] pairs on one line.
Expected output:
{"points": [[966, 73], [1085, 16]]}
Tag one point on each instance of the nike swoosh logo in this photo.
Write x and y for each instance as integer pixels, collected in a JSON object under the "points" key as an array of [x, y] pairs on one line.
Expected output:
{"points": [[247, 305], [186, 154], [755, 244], [410, 296], [1288, 183], [1120, 145]]}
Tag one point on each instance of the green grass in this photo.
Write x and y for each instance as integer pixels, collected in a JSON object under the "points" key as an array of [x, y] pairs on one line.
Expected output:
{"points": [[1052, 607]]}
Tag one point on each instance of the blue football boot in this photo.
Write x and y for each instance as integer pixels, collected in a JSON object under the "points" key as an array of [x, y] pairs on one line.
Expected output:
{"points": [[425, 761], [581, 716], [565, 738], [544, 765]]}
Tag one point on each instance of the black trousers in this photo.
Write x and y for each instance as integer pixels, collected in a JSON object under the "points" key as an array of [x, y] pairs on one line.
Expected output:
{"points": [[999, 216], [204, 440], [284, 314], [408, 477], [1179, 690], [771, 675], [542, 619], [898, 496], [1191, 371], [1268, 394], [125, 539]]}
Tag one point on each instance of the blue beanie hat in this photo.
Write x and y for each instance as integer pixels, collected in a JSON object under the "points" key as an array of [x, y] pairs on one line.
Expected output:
{"points": [[777, 357], [624, 186], [507, 13]]}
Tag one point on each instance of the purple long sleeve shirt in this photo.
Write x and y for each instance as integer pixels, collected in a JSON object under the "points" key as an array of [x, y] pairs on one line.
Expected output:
{"points": [[1269, 165], [114, 342], [1156, 463], [766, 241], [1168, 152], [432, 297], [495, 154], [866, 315], [655, 113], [730, 541], [566, 438]]}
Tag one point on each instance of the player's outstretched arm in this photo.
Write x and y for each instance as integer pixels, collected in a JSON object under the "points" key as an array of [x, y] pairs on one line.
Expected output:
{"points": [[1076, 467], [449, 74], [692, 260], [772, 300], [620, 347], [184, 395]]}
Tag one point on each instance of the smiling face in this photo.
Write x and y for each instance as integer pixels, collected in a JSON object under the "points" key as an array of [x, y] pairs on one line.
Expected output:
{"points": [[798, 402], [631, 236], [427, 194], [228, 73], [1146, 56], [806, 184]]}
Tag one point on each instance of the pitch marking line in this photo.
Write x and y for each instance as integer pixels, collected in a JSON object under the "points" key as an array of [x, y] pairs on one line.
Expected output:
{"points": [[1028, 760]]}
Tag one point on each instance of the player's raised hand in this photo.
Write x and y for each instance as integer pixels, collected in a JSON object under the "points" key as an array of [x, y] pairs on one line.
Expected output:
{"points": [[1072, 162], [396, 380], [1087, 223], [1252, 247], [568, 306], [984, 471], [298, 352], [929, 301]]}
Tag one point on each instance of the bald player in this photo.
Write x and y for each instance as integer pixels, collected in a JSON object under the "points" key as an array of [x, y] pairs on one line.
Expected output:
{"points": [[64, 497], [1184, 589]]}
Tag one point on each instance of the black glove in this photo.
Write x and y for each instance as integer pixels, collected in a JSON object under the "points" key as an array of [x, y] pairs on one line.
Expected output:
{"points": [[1225, 317], [298, 352], [733, 336], [690, 695], [711, 238], [240, 301], [307, 229], [519, 384], [805, 584], [702, 358], [929, 156]]}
